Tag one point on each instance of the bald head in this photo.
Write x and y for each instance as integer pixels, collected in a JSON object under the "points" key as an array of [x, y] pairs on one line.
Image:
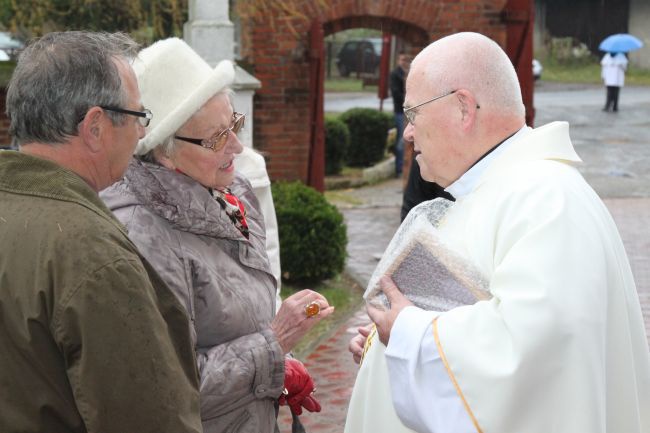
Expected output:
{"points": [[474, 62], [464, 98]]}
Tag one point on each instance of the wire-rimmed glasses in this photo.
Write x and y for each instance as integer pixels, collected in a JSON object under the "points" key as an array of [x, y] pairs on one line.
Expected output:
{"points": [[410, 114], [219, 139]]}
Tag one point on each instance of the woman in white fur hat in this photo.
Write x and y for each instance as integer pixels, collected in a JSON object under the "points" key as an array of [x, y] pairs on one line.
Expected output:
{"points": [[198, 223]]}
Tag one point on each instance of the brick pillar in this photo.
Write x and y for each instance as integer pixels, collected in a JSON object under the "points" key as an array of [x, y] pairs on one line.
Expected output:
{"points": [[4, 121]]}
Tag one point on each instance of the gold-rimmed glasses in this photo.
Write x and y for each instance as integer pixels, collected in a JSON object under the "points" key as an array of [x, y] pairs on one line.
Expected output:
{"points": [[218, 140]]}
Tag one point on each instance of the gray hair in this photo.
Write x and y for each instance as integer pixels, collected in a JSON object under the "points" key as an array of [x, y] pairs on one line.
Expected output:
{"points": [[166, 146], [59, 77]]}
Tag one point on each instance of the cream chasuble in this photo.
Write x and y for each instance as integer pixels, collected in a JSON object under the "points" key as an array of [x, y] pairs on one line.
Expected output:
{"points": [[561, 346]]}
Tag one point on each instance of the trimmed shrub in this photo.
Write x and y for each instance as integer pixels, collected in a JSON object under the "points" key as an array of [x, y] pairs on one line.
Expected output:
{"points": [[368, 129], [313, 237], [337, 142]]}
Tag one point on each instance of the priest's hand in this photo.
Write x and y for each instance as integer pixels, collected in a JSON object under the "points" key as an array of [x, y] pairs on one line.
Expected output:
{"points": [[358, 342], [385, 319]]}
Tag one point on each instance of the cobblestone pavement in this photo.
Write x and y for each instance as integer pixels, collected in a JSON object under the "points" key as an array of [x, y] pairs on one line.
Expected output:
{"points": [[616, 152]]}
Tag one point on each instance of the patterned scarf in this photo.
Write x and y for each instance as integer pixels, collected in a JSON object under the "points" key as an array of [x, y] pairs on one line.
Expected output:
{"points": [[234, 209]]}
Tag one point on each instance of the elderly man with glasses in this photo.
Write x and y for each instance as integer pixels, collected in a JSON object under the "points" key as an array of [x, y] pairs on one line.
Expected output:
{"points": [[558, 344], [91, 338]]}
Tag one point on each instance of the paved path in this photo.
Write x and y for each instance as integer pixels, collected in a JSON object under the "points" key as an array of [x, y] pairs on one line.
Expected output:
{"points": [[616, 152]]}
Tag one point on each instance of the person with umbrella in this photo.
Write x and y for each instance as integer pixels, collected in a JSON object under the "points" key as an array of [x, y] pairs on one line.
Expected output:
{"points": [[613, 75], [614, 65]]}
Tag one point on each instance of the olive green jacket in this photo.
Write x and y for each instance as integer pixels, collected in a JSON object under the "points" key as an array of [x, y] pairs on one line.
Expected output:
{"points": [[91, 339]]}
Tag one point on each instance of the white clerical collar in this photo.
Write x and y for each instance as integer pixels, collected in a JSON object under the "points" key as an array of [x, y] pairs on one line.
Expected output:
{"points": [[467, 182]]}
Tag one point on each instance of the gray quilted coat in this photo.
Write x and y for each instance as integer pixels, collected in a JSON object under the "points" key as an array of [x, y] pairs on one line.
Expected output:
{"points": [[223, 280]]}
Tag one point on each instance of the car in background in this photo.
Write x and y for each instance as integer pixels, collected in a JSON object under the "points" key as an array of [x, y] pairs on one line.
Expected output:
{"points": [[537, 69], [9, 46], [359, 56]]}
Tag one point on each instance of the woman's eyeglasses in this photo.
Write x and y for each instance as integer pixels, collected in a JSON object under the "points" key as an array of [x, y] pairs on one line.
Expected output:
{"points": [[218, 140]]}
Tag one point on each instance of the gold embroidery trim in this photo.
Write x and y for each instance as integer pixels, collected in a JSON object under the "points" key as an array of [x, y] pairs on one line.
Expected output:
{"points": [[368, 343], [451, 375]]}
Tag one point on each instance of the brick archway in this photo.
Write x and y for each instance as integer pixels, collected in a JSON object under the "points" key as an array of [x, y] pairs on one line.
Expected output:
{"points": [[417, 36], [280, 60]]}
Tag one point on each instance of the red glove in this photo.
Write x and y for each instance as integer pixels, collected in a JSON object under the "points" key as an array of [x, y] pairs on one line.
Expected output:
{"points": [[298, 386]]}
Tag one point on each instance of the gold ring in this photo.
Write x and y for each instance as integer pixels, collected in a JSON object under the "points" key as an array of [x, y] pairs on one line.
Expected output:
{"points": [[312, 309]]}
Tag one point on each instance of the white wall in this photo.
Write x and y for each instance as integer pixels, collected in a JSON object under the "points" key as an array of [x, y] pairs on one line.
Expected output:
{"points": [[639, 27]]}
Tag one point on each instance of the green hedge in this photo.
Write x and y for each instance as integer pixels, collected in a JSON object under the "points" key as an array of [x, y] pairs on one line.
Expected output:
{"points": [[313, 236], [368, 130], [6, 69], [337, 142]]}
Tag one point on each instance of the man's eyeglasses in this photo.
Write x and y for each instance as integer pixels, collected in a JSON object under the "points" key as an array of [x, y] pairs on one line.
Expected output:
{"points": [[144, 116], [218, 140], [410, 114]]}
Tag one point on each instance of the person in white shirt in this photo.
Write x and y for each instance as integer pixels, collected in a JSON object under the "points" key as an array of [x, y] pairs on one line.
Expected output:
{"points": [[253, 166], [613, 70], [561, 344]]}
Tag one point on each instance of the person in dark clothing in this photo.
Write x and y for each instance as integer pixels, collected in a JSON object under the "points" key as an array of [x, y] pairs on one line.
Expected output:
{"points": [[397, 78], [418, 190]]}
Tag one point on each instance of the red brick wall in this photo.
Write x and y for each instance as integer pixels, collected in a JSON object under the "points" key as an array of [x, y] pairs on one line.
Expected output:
{"points": [[4, 122], [280, 60]]}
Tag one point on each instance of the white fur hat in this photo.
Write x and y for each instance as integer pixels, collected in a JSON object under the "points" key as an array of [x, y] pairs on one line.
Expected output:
{"points": [[175, 82]]}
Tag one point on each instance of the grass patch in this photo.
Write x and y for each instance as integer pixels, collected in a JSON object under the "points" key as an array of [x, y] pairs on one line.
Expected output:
{"points": [[351, 84], [343, 293], [336, 186], [332, 115], [588, 73], [639, 77], [6, 69], [337, 197], [352, 171]]}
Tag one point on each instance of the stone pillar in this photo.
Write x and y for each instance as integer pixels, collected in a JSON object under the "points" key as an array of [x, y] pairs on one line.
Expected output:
{"points": [[209, 30], [210, 33], [244, 87]]}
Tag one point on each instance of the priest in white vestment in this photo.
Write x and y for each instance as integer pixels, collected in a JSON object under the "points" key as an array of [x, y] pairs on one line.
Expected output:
{"points": [[560, 346]]}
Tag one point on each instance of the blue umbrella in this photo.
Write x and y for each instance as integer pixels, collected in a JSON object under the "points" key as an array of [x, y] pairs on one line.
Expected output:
{"points": [[620, 43]]}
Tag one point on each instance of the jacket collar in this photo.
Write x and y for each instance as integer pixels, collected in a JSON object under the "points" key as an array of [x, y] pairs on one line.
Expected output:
{"points": [[25, 174], [177, 198]]}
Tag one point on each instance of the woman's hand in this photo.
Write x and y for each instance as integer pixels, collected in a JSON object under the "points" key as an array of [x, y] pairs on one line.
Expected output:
{"points": [[358, 342], [299, 387], [291, 323]]}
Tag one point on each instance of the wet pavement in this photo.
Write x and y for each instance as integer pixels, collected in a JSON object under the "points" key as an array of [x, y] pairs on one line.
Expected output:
{"points": [[615, 148]]}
